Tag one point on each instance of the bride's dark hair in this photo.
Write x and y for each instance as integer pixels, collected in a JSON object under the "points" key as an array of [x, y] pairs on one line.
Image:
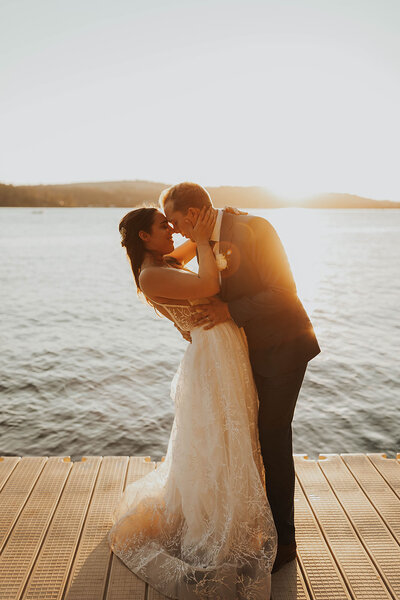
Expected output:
{"points": [[139, 219]]}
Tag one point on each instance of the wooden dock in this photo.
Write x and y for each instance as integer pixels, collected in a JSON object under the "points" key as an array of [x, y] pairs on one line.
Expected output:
{"points": [[55, 514]]}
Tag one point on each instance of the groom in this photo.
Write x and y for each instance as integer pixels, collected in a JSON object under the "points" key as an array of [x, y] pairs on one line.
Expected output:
{"points": [[259, 293]]}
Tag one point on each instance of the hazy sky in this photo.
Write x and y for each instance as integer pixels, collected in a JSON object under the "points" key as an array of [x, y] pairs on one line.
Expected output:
{"points": [[299, 96]]}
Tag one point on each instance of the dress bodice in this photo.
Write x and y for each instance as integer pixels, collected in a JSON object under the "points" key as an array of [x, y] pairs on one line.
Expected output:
{"points": [[183, 315]]}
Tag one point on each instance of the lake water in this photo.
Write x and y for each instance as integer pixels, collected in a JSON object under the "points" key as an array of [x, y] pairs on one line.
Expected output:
{"points": [[85, 367]]}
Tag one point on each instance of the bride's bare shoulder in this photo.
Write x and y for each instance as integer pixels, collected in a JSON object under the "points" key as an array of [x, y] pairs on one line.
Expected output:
{"points": [[163, 281], [154, 272]]}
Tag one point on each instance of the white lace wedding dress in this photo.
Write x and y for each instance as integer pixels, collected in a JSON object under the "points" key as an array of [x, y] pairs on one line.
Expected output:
{"points": [[200, 526]]}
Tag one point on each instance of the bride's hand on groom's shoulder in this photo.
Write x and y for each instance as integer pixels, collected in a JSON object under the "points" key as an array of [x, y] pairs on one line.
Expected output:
{"points": [[234, 211]]}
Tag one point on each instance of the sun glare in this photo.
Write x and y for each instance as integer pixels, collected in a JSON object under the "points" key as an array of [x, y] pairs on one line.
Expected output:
{"points": [[301, 233], [291, 192]]}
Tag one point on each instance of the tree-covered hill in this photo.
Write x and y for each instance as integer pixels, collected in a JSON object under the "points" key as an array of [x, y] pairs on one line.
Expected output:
{"points": [[134, 193]]}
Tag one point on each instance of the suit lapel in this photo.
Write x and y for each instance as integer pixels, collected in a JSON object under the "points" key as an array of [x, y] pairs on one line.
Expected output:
{"points": [[225, 237], [226, 227]]}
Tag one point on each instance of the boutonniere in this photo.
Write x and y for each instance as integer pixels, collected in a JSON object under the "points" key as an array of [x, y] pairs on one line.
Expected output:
{"points": [[221, 261]]}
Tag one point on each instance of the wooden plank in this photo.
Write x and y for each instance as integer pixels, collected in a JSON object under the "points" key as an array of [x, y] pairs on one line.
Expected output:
{"points": [[371, 529], [24, 543], [7, 465], [378, 491], [346, 530], [51, 570], [153, 594], [89, 571], [354, 563], [389, 468], [16, 492], [123, 584], [288, 583], [317, 563]]}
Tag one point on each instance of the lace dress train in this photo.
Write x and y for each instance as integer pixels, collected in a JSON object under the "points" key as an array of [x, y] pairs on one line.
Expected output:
{"points": [[200, 526]]}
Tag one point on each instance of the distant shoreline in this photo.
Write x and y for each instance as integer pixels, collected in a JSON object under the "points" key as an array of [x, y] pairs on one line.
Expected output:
{"points": [[40, 208], [128, 194]]}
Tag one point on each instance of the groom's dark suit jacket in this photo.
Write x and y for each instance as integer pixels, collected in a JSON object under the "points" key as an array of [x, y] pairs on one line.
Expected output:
{"points": [[259, 288]]}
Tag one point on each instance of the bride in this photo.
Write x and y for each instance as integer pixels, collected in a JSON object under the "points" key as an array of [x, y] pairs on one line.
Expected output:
{"points": [[199, 526]]}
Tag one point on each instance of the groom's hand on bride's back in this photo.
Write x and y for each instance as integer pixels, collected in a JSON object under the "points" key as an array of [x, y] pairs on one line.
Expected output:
{"points": [[213, 313]]}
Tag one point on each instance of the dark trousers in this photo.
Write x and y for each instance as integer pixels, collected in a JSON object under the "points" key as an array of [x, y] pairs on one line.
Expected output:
{"points": [[278, 396]]}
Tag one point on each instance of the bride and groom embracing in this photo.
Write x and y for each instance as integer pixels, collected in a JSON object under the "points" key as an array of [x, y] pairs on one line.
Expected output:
{"points": [[217, 516]]}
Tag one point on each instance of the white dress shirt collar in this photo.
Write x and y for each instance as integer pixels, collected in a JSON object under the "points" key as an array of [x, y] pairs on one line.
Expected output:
{"points": [[217, 227]]}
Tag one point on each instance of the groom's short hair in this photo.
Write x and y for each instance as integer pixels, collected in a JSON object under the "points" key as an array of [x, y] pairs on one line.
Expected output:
{"points": [[184, 196]]}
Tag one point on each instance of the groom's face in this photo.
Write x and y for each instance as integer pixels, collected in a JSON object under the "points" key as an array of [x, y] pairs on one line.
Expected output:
{"points": [[181, 223]]}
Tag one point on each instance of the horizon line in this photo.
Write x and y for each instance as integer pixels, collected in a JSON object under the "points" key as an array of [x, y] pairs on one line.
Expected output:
{"points": [[224, 185]]}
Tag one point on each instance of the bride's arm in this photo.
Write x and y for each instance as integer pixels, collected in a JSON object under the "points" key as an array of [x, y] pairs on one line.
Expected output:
{"points": [[185, 252], [178, 284]]}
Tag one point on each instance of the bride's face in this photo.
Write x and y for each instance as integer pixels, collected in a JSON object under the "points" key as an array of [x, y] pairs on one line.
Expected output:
{"points": [[160, 237]]}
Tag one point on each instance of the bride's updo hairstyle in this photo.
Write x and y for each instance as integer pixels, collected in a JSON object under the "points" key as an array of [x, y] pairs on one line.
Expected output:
{"points": [[184, 196], [140, 219]]}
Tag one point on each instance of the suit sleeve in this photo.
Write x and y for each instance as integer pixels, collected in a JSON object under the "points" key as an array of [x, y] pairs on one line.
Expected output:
{"points": [[278, 288]]}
